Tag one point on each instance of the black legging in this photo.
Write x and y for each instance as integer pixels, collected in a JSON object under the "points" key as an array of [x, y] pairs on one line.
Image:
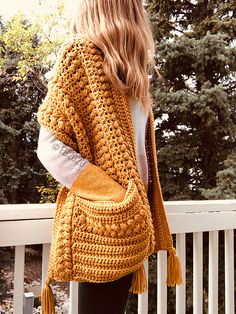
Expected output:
{"points": [[104, 298]]}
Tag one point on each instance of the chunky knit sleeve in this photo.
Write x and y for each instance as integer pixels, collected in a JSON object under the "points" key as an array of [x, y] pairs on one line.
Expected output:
{"points": [[54, 112]]}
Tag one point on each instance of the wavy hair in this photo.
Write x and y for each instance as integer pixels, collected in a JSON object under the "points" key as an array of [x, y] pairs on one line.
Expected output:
{"points": [[121, 29]]}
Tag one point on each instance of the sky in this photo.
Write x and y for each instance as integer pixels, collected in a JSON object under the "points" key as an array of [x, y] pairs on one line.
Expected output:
{"points": [[10, 7]]}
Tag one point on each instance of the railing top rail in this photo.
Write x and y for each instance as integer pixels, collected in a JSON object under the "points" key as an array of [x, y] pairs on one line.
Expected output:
{"points": [[194, 206], [10, 212], [26, 211]]}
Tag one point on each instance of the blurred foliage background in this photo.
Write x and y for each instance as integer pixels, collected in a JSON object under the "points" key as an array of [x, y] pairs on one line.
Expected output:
{"points": [[194, 108], [28, 50]]}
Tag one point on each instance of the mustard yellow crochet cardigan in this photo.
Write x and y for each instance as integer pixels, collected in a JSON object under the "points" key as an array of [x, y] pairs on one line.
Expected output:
{"points": [[102, 241]]}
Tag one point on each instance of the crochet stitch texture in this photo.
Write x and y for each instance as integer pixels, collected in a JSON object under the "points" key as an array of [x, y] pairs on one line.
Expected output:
{"points": [[100, 241]]}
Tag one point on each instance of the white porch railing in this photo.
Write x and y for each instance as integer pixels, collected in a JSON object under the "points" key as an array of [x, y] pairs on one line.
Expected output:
{"points": [[27, 224]]}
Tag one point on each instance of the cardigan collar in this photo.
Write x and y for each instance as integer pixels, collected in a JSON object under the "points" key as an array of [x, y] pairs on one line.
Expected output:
{"points": [[121, 100]]}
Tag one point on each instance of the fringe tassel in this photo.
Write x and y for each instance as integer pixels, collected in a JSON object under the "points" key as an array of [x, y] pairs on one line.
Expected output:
{"points": [[139, 281], [174, 272], [47, 299]]}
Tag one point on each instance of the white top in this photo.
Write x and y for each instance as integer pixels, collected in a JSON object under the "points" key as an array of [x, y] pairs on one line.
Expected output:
{"points": [[139, 119], [65, 164]]}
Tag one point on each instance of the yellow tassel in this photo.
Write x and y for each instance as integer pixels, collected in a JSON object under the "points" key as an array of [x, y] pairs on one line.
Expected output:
{"points": [[139, 281], [174, 272], [47, 299]]}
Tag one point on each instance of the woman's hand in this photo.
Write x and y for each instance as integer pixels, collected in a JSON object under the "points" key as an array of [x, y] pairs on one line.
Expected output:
{"points": [[95, 184]]}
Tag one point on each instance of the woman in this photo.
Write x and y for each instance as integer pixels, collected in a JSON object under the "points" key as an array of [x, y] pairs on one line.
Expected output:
{"points": [[97, 139]]}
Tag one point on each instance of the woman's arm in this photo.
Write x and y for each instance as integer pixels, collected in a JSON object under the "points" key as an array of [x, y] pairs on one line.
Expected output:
{"points": [[70, 169], [61, 161]]}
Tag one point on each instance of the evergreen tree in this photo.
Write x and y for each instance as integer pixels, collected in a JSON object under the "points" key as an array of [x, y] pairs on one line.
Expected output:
{"points": [[195, 101], [195, 113]]}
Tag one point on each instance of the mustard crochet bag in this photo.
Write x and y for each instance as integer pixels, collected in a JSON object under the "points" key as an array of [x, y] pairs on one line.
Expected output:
{"points": [[106, 231], [89, 238]]}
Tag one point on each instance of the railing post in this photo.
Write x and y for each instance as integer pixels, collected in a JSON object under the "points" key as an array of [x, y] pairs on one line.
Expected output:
{"points": [[28, 303], [213, 272], [74, 295], [181, 290], [229, 272], [143, 298], [45, 259], [19, 279], [161, 282], [197, 273]]}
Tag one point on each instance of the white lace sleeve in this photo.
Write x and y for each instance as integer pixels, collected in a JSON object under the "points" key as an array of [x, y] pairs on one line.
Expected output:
{"points": [[60, 160]]}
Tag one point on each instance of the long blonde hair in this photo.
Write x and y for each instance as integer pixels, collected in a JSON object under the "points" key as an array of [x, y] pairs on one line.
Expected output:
{"points": [[121, 29]]}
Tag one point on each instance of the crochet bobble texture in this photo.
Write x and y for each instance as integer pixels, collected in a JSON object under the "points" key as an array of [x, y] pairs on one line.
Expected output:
{"points": [[101, 241]]}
